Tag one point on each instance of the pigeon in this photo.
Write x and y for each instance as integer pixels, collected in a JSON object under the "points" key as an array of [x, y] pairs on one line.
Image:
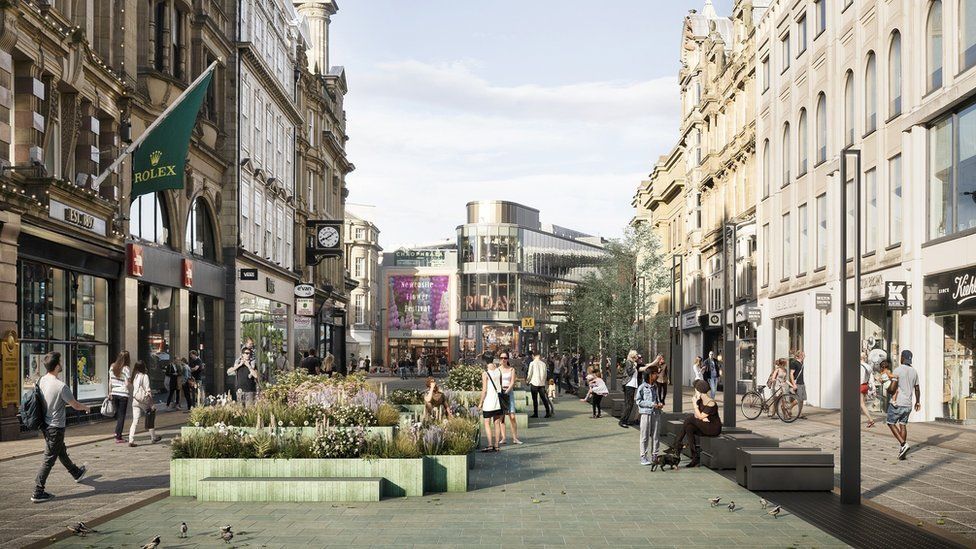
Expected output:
{"points": [[731, 506], [153, 543], [183, 529], [81, 529], [714, 501], [763, 503], [226, 534], [775, 511]]}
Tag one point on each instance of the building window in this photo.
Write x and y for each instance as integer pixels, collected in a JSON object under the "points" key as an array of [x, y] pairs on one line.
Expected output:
{"points": [[895, 224], [199, 232], [787, 246], [785, 46], [359, 267], [821, 128], [933, 46], [787, 335], [871, 211], [871, 95], [245, 228], [801, 230], [801, 35], [821, 231], [360, 233], [765, 249], [894, 76], [765, 73], [820, 7], [786, 154], [159, 42], [801, 142], [767, 159], [148, 219], [257, 240], [967, 33], [952, 174], [360, 309], [849, 109]]}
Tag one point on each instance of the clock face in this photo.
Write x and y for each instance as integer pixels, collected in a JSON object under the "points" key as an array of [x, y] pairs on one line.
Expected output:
{"points": [[328, 237]]}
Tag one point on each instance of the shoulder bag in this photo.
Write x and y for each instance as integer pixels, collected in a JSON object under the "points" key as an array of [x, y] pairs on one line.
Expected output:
{"points": [[108, 407]]}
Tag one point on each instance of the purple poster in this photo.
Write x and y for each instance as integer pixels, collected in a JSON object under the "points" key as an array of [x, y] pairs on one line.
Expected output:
{"points": [[418, 303]]}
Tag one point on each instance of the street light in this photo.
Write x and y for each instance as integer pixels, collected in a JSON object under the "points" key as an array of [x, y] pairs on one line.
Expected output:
{"points": [[729, 279], [677, 276], [850, 428]]}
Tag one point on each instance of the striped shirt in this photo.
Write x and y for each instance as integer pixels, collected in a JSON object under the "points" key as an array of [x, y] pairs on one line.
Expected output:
{"points": [[119, 385]]}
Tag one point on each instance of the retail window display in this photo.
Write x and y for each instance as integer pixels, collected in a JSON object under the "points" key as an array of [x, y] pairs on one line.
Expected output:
{"points": [[787, 336], [157, 321], [959, 347], [265, 323]]}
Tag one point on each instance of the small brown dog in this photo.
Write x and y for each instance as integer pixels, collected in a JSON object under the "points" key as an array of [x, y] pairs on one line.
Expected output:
{"points": [[665, 459]]}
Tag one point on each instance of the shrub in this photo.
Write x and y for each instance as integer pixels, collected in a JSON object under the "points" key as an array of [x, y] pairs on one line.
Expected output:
{"points": [[222, 442], [348, 416], [340, 443], [401, 446], [464, 378], [405, 396], [234, 414], [387, 416]]}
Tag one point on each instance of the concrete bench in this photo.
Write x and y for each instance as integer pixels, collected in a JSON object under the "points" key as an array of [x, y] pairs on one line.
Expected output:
{"points": [[289, 489], [721, 452], [785, 469], [675, 426]]}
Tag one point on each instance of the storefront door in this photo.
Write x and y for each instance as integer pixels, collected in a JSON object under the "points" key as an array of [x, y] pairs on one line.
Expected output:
{"points": [[958, 348]]}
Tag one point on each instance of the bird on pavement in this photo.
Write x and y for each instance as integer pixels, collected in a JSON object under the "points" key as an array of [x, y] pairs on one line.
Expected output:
{"points": [[714, 501], [183, 529], [775, 511], [226, 534], [81, 529], [731, 506], [763, 503], [153, 543]]}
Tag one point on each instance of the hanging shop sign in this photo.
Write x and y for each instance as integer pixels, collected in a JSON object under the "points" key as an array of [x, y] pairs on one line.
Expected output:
{"points": [[187, 273], [249, 274], [690, 320], [896, 295], [528, 323], [304, 290], [305, 306], [10, 366], [324, 239], [134, 259], [754, 315], [823, 302], [76, 218], [950, 291], [302, 322]]}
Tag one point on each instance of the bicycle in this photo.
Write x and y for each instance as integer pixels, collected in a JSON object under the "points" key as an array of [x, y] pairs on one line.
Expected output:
{"points": [[784, 405]]}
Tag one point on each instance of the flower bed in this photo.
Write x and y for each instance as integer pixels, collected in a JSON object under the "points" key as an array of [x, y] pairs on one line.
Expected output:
{"points": [[373, 430]]}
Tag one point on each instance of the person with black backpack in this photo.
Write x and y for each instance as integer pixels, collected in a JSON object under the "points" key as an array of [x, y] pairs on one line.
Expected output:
{"points": [[54, 395]]}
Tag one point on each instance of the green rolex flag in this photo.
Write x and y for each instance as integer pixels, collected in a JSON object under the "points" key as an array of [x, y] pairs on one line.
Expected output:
{"points": [[158, 161]]}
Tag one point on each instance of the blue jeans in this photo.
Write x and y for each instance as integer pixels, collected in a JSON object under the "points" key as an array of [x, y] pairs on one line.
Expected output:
{"points": [[713, 383]]}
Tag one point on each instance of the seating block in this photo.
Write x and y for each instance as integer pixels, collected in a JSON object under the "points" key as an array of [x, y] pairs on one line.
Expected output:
{"points": [[785, 469], [289, 489], [721, 452]]}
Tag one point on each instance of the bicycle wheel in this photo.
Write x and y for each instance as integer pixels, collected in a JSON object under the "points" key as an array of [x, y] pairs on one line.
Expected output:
{"points": [[752, 405], [788, 408]]}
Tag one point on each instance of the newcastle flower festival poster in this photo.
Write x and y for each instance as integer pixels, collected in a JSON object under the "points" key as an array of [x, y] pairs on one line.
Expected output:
{"points": [[418, 303]]}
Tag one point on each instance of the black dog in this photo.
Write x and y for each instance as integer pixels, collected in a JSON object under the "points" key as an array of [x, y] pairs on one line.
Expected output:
{"points": [[665, 459]]}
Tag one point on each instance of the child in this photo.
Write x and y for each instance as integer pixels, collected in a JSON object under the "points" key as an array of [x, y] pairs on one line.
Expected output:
{"points": [[551, 391], [649, 405], [598, 389]]}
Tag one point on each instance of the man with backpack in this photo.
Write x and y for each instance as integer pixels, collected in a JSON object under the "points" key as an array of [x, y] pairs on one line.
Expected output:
{"points": [[54, 395]]}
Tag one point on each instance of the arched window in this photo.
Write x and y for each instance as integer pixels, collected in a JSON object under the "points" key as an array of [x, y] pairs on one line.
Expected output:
{"points": [[967, 33], [148, 219], [849, 109], [786, 154], [801, 143], [821, 128], [894, 75], [199, 232], [765, 168], [933, 46], [871, 94]]}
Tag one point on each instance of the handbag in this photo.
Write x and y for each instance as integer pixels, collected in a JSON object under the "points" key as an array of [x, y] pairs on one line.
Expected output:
{"points": [[108, 407], [151, 418], [589, 398], [505, 399]]}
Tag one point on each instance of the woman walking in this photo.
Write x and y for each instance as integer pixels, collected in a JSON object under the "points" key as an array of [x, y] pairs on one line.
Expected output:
{"points": [[120, 382], [697, 368], [172, 370], [866, 374], [509, 378], [491, 409], [703, 422], [598, 390], [142, 404]]}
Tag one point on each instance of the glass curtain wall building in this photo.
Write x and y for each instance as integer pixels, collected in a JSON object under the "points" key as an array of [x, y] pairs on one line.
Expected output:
{"points": [[516, 275]]}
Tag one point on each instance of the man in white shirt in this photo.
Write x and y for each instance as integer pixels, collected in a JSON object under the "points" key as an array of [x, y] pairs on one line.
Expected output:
{"points": [[904, 383], [537, 381], [56, 395]]}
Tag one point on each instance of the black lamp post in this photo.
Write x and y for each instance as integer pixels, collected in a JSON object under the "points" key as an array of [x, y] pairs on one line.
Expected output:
{"points": [[729, 258], [850, 428], [675, 358]]}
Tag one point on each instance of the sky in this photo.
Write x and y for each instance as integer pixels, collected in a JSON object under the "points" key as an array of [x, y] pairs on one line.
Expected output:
{"points": [[561, 105]]}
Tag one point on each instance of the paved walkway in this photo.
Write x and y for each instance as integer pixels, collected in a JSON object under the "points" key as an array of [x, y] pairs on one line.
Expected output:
{"points": [[576, 482]]}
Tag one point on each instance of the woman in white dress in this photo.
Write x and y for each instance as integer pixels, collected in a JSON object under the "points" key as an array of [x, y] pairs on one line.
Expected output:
{"points": [[491, 409]]}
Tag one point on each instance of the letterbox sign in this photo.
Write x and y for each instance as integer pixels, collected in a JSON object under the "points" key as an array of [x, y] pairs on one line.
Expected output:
{"points": [[249, 274], [76, 218], [823, 302], [304, 290], [950, 291], [134, 259], [187, 273], [896, 295]]}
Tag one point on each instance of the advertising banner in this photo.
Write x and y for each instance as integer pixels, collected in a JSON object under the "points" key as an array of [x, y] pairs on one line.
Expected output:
{"points": [[418, 303]]}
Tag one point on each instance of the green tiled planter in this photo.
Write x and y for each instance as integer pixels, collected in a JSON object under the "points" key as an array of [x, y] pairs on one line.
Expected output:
{"points": [[292, 489], [385, 432], [523, 399], [404, 477], [413, 408], [447, 473]]}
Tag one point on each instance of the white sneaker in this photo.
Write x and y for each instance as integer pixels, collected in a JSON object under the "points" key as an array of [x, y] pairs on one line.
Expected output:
{"points": [[904, 451]]}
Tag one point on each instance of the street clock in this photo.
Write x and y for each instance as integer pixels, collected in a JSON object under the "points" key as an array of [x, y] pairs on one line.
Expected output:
{"points": [[324, 240]]}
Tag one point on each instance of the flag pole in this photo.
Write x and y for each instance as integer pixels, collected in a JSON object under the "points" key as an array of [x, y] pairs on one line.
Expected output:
{"points": [[142, 137]]}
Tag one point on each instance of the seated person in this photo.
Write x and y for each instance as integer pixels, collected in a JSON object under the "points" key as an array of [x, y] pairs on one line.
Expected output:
{"points": [[434, 400], [704, 422]]}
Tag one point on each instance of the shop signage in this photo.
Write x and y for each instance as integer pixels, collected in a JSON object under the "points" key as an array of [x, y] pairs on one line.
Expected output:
{"points": [[302, 322], [486, 303], [528, 323], [187, 273], [823, 302], [950, 291], [690, 320], [305, 306], [324, 239], [418, 303], [10, 361], [418, 258], [135, 258], [77, 218], [896, 295], [249, 274], [304, 290], [279, 309], [279, 321], [269, 285], [754, 315]]}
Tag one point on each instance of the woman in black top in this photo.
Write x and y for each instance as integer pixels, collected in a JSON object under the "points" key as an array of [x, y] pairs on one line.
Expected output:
{"points": [[704, 422]]}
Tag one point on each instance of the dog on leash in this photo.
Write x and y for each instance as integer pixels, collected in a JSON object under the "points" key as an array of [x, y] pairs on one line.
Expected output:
{"points": [[665, 459]]}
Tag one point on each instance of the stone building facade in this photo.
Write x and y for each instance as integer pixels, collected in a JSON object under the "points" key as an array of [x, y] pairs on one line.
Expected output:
{"points": [[363, 255]]}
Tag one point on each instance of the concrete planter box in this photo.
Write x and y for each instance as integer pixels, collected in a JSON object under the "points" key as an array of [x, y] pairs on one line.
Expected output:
{"points": [[293, 489], [384, 432], [403, 477], [417, 409], [447, 473], [523, 399]]}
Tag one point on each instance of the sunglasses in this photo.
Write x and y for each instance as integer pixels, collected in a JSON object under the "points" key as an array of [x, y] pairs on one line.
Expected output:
{"points": [[503, 357]]}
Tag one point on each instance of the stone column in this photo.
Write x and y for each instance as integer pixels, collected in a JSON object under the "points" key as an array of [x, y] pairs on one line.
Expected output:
{"points": [[318, 13], [9, 232]]}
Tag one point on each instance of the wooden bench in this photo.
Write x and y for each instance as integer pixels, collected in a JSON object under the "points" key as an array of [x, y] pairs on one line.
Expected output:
{"points": [[289, 489], [721, 452], [785, 469]]}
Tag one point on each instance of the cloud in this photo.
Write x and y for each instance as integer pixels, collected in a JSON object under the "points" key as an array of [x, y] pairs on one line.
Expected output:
{"points": [[427, 138]]}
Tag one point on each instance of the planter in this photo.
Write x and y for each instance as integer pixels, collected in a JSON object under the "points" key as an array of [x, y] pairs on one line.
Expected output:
{"points": [[417, 409], [523, 399], [385, 432], [403, 477], [447, 473]]}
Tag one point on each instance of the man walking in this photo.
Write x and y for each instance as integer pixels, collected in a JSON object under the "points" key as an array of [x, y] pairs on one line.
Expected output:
{"points": [[904, 382], [630, 389], [311, 363], [796, 380], [537, 380], [711, 373], [56, 396]]}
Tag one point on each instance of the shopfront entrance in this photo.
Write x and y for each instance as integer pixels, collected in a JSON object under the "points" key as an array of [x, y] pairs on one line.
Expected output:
{"points": [[949, 300], [265, 323]]}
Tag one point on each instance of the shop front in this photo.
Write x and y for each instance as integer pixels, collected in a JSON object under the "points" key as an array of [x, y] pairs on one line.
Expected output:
{"points": [[949, 302], [418, 318], [265, 317]]}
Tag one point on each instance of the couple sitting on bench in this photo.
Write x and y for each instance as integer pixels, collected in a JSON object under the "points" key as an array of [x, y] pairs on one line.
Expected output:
{"points": [[704, 422]]}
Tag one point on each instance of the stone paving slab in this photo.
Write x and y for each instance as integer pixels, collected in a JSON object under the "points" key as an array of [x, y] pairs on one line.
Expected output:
{"points": [[516, 500]]}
